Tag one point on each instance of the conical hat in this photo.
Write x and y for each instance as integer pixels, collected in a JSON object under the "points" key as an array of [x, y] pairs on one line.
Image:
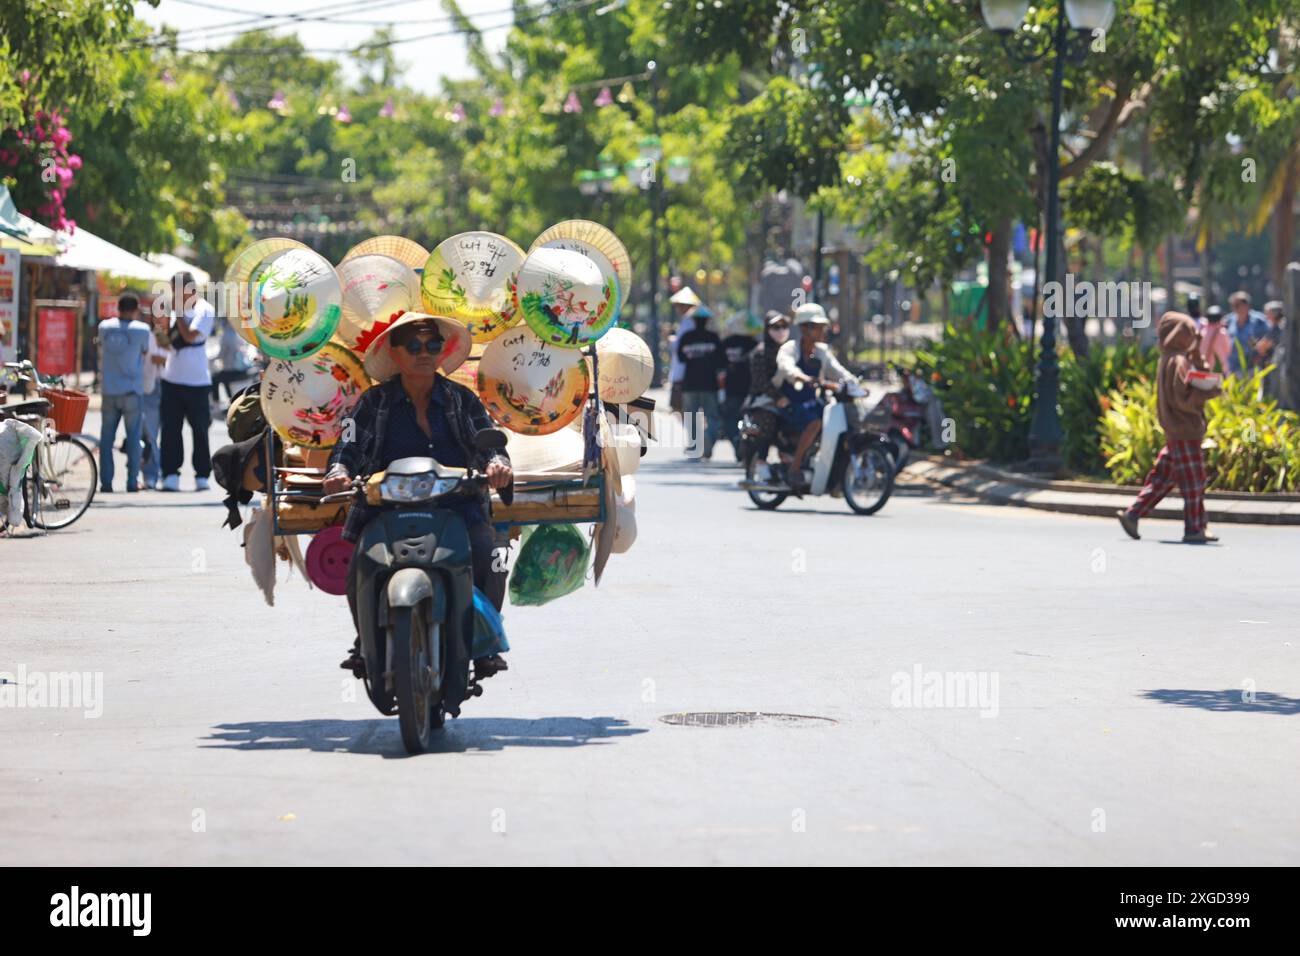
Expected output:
{"points": [[406, 251], [469, 278], [379, 360], [685, 296], [564, 297], [242, 279], [534, 454], [374, 287], [594, 241], [306, 401], [625, 366], [297, 305], [530, 386]]}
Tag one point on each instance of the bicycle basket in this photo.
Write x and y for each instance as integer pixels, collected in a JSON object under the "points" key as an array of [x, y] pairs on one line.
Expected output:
{"points": [[68, 408]]}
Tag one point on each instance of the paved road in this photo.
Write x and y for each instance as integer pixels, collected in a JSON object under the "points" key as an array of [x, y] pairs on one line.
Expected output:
{"points": [[1111, 729]]}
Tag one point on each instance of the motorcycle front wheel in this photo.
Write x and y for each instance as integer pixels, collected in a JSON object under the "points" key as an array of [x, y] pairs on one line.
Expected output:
{"points": [[417, 678], [760, 469], [867, 479]]}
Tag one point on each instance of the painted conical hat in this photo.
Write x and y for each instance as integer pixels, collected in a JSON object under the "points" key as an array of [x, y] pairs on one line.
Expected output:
{"points": [[306, 401], [242, 278], [529, 386], [625, 366], [564, 297], [469, 278], [403, 250], [297, 305], [594, 241], [374, 287]]}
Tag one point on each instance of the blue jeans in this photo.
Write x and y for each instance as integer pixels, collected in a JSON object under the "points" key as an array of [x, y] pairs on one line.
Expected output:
{"points": [[151, 410], [115, 408]]}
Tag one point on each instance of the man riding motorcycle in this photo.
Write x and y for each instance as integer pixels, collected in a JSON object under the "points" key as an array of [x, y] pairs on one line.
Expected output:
{"points": [[799, 364], [411, 412]]}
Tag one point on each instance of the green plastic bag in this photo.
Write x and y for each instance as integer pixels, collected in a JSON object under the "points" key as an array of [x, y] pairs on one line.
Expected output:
{"points": [[552, 562]]}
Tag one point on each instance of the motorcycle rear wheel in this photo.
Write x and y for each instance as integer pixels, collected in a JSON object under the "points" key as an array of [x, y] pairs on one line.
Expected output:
{"points": [[759, 469], [418, 688]]}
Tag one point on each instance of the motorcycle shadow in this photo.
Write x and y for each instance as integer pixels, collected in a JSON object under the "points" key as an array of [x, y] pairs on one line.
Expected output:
{"points": [[381, 735]]}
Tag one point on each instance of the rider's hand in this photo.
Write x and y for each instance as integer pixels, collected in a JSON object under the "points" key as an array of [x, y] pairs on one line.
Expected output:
{"points": [[335, 484], [831, 386], [499, 474], [782, 402]]}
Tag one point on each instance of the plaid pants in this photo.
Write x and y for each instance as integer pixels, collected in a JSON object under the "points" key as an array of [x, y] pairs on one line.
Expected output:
{"points": [[1179, 463]]}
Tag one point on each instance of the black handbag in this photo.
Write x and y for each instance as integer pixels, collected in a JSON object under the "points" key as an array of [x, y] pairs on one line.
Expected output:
{"points": [[177, 341]]}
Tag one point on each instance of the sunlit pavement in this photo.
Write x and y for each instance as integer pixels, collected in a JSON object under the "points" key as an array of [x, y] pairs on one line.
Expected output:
{"points": [[1129, 702]]}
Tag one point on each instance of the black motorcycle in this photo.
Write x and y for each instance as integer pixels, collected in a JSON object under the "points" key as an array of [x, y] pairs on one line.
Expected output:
{"points": [[415, 592]]}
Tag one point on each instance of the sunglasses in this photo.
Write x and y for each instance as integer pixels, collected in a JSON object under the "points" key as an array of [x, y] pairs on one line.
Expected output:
{"points": [[416, 346]]}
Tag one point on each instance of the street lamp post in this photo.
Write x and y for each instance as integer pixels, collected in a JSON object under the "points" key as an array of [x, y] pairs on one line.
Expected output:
{"points": [[1005, 18], [644, 174]]}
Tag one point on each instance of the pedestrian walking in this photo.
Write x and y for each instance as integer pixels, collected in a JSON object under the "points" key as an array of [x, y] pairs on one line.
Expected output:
{"points": [[1216, 341], [685, 302], [1181, 409], [125, 344], [736, 348], [151, 404], [703, 370], [233, 361], [1248, 326], [186, 383]]}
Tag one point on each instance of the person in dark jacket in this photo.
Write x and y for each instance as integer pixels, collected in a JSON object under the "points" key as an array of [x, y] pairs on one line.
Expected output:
{"points": [[736, 347], [416, 412]]}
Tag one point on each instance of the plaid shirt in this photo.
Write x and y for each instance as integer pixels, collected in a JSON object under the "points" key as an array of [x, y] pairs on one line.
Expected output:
{"points": [[363, 454]]}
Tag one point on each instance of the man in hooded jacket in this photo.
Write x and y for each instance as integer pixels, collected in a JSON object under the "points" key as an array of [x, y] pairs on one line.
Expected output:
{"points": [[1180, 406]]}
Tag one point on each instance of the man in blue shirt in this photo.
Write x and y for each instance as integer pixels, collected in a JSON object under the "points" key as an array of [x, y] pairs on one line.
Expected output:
{"points": [[1247, 328], [125, 343]]}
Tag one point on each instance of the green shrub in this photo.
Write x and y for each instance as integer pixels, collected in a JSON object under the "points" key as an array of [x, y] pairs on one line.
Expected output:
{"points": [[1253, 444], [986, 381], [1256, 443], [1130, 436], [1083, 384]]}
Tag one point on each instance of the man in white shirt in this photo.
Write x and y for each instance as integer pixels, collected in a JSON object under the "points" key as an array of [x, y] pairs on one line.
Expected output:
{"points": [[186, 382]]}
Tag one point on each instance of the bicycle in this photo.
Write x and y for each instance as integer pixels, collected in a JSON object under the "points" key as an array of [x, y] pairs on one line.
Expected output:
{"points": [[59, 483]]}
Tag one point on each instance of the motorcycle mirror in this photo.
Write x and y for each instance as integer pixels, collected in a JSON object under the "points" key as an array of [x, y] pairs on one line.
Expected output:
{"points": [[490, 439]]}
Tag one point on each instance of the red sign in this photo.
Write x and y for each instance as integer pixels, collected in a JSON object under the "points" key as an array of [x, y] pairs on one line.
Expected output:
{"points": [[56, 341]]}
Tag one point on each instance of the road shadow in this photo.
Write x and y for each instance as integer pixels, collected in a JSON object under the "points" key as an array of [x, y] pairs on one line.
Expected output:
{"points": [[381, 736], [1225, 701]]}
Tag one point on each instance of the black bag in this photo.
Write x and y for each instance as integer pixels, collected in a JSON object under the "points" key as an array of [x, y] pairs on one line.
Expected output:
{"points": [[176, 341]]}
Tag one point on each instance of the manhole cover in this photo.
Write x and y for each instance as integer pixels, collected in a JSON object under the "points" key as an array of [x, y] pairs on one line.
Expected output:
{"points": [[741, 718]]}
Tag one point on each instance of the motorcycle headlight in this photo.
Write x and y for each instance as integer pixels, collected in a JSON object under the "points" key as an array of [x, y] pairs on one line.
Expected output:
{"points": [[405, 488]]}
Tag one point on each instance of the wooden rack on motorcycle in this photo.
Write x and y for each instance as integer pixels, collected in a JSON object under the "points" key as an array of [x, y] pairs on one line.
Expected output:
{"points": [[554, 497]]}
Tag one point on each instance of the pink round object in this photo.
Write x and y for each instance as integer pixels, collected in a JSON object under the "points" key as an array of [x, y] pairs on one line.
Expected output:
{"points": [[328, 557]]}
